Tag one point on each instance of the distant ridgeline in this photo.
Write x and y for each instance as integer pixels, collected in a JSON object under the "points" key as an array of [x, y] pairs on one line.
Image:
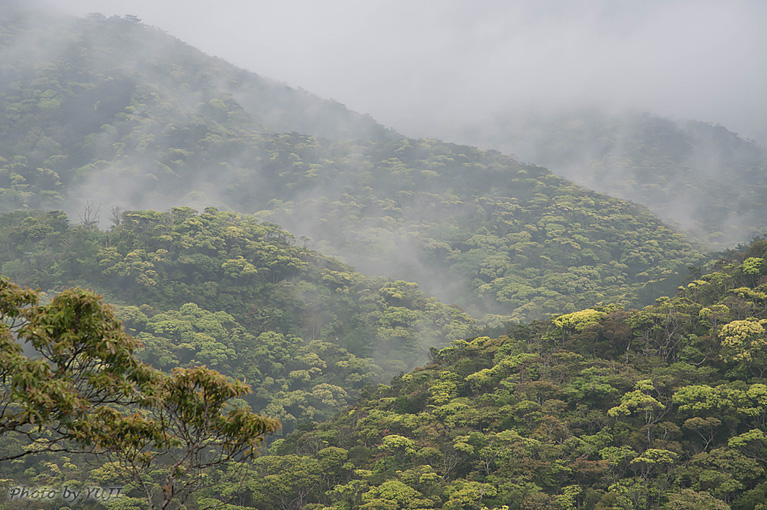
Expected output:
{"points": [[114, 113], [664, 407], [701, 177], [599, 406]]}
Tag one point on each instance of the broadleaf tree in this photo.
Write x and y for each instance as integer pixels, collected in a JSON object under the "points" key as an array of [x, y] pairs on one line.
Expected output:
{"points": [[82, 389]]}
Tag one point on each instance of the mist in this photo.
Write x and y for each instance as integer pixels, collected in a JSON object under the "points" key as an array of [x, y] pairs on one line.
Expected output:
{"points": [[425, 68], [162, 155]]}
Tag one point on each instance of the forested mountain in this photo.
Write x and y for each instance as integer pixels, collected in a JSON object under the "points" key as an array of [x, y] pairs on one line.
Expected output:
{"points": [[605, 408], [241, 297], [91, 68], [78, 96], [114, 113], [701, 177], [273, 236]]}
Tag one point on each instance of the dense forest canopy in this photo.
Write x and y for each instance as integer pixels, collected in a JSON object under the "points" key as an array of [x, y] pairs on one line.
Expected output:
{"points": [[662, 407], [89, 123], [604, 408], [239, 296], [701, 177], [433, 325]]}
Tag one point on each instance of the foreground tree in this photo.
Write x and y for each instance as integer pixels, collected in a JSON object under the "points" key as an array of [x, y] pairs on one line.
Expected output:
{"points": [[184, 427], [82, 389], [80, 359]]}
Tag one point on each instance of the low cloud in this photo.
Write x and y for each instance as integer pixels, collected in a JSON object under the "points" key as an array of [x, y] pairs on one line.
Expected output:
{"points": [[421, 66]]}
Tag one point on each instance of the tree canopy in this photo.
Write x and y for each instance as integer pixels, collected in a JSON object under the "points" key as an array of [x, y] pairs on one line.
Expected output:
{"points": [[474, 228], [83, 390], [604, 408]]}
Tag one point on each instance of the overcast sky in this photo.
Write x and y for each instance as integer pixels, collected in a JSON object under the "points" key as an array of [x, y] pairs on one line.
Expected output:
{"points": [[416, 65]]}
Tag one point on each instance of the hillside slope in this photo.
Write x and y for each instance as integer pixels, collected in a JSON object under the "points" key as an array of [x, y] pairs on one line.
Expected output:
{"points": [[241, 297], [115, 113], [664, 407], [79, 95], [701, 177]]}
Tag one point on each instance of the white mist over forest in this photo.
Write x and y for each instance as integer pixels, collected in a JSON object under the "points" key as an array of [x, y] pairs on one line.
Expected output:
{"points": [[468, 255], [429, 69]]}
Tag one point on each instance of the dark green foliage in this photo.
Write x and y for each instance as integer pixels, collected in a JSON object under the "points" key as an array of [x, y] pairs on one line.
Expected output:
{"points": [[602, 408], [239, 296]]}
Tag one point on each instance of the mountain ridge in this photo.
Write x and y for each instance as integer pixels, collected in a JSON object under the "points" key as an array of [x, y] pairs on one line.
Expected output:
{"points": [[569, 382], [698, 176], [476, 228]]}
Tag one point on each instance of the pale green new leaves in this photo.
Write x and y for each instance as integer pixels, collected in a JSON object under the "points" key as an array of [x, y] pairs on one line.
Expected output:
{"points": [[396, 443], [752, 265], [579, 321], [656, 456], [395, 491], [743, 341], [638, 401]]}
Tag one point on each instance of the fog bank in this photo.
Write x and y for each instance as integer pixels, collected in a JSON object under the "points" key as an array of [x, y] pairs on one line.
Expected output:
{"points": [[419, 67]]}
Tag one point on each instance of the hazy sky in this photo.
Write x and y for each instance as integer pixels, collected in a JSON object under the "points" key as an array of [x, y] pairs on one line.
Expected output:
{"points": [[417, 65]]}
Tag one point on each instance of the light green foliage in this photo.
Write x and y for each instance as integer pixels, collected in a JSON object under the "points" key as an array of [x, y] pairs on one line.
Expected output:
{"points": [[704, 400], [688, 498], [744, 341], [442, 391], [724, 472], [394, 443], [654, 456], [468, 494], [617, 455], [638, 401], [535, 420], [715, 314], [753, 443], [592, 384], [578, 321], [86, 389], [396, 492], [568, 499], [275, 480], [198, 337], [239, 268], [752, 266]]}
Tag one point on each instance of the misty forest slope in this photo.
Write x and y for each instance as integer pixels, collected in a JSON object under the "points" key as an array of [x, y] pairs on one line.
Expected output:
{"points": [[78, 96], [113, 112], [239, 296], [563, 396], [701, 177], [98, 63], [604, 408], [664, 407]]}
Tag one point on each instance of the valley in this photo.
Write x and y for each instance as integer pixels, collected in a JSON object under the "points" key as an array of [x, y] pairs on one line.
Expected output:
{"points": [[433, 324]]}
